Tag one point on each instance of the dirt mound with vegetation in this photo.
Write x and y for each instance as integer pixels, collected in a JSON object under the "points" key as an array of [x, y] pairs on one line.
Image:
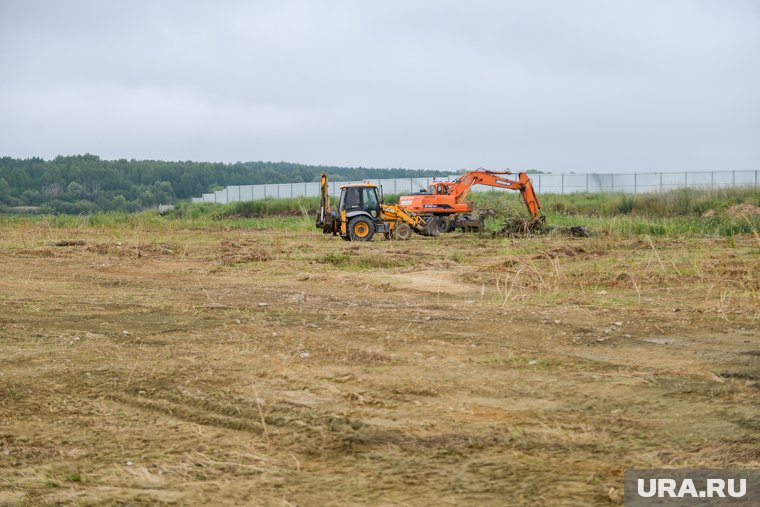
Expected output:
{"points": [[743, 210]]}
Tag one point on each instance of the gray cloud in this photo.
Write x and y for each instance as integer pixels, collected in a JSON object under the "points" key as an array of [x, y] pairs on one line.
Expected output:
{"points": [[553, 85]]}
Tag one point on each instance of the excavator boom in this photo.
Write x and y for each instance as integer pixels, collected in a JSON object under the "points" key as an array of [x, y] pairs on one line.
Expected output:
{"points": [[530, 198]]}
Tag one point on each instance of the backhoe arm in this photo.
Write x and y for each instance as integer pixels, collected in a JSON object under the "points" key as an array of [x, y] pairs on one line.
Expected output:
{"points": [[324, 215]]}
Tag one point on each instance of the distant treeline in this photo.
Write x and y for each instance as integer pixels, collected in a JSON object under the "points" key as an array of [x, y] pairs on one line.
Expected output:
{"points": [[86, 183]]}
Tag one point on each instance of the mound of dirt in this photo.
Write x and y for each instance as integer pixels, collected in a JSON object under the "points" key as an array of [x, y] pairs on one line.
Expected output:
{"points": [[232, 252], [518, 226], [131, 250], [743, 210], [70, 242], [577, 231]]}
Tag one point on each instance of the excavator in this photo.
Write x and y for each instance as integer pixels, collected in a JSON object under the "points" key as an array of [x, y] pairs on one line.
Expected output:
{"points": [[446, 199], [361, 213]]}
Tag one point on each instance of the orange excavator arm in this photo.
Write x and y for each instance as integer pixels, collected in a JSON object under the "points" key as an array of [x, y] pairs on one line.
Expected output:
{"points": [[462, 187]]}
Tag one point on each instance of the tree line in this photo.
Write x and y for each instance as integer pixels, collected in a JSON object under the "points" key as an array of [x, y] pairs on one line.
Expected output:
{"points": [[87, 183]]}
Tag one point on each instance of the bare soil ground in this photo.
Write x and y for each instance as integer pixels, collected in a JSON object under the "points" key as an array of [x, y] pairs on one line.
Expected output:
{"points": [[234, 367]]}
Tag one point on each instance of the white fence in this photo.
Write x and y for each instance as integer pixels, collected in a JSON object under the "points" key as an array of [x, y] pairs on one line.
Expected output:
{"points": [[544, 184]]}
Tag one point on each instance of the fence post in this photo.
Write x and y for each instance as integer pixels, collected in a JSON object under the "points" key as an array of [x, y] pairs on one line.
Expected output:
{"points": [[635, 183], [612, 183], [712, 179], [733, 178], [685, 179], [587, 183], [660, 182], [563, 184]]}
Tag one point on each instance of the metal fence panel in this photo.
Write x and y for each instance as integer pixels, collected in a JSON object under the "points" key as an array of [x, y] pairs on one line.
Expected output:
{"points": [[670, 181], [746, 178], [312, 189], [246, 193], [544, 184]]}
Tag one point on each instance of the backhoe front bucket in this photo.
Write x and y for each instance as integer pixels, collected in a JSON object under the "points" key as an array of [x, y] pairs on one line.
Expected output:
{"points": [[430, 228]]}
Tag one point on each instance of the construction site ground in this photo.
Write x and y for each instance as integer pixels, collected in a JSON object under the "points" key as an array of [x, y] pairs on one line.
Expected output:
{"points": [[272, 367]]}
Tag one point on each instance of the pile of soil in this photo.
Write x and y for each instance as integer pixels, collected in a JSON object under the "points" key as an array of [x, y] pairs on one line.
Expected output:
{"points": [[743, 210], [517, 226]]}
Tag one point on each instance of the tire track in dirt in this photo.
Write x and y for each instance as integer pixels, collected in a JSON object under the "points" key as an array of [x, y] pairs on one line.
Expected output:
{"points": [[188, 413], [298, 425], [288, 422]]}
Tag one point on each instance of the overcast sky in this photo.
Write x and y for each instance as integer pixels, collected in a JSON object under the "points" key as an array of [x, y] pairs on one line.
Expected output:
{"points": [[582, 85]]}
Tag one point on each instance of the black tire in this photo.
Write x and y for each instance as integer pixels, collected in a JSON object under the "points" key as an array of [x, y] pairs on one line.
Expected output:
{"points": [[402, 232], [361, 229], [443, 225], [451, 223]]}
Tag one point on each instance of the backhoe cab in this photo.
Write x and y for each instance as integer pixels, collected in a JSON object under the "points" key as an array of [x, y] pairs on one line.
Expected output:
{"points": [[361, 214], [359, 210]]}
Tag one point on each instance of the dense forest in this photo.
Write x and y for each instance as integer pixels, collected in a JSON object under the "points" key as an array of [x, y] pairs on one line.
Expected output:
{"points": [[86, 183]]}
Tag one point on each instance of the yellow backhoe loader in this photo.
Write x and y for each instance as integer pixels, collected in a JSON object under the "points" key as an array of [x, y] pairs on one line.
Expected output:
{"points": [[361, 214]]}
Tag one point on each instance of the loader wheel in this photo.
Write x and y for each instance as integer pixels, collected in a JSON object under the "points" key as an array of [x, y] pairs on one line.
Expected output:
{"points": [[361, 229], [402, 232]]}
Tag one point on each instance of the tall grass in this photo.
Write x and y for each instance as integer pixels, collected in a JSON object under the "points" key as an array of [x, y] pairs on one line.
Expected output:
{"points": [[628, 226], [247, 209], [681, 202], [679, 212], [690, 212], [296, 206]]}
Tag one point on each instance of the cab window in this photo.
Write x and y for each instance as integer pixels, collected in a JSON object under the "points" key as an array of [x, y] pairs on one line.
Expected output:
{"points": [[353, 198], [370, 199]]}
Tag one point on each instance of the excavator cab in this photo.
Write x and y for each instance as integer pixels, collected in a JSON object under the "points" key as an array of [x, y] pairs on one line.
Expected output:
{"points": [[436, 189]]}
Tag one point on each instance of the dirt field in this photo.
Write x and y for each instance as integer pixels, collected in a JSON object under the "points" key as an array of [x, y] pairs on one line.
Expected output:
{"points": [[234, 367]]}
